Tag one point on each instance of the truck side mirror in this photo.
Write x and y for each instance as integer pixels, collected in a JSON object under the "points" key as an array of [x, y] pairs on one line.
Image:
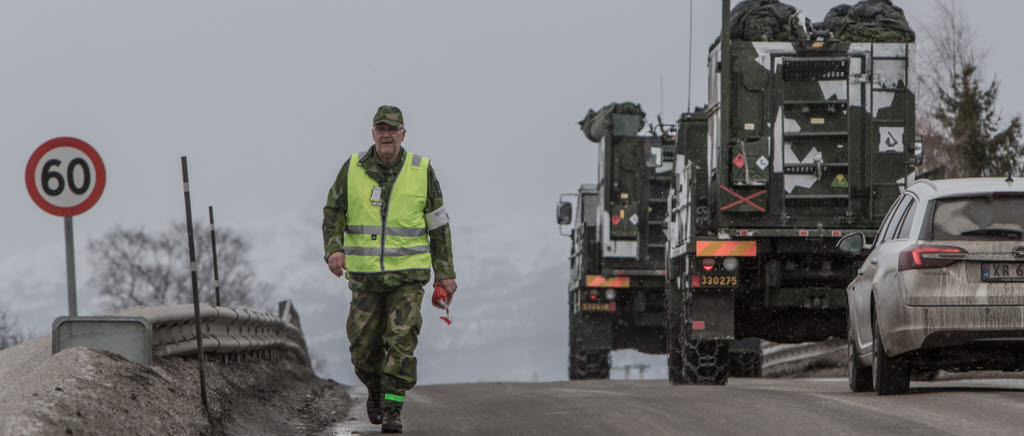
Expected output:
{"points": [[918, 151], [564, 213], [852, 244]]}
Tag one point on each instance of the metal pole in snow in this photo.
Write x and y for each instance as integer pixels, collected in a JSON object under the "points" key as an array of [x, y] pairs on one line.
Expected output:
{"points": [[195, 283], [216, 273]]}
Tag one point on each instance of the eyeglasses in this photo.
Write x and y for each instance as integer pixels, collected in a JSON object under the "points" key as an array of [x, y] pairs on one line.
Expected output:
{"points": [[386, 128]]}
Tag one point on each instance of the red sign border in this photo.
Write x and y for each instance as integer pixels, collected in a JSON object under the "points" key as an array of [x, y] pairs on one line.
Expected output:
{"points": [[97, 191]]}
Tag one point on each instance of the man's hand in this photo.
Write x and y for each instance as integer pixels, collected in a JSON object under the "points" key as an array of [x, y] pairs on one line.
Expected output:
{"points": [[337, 263], [449, 287]]}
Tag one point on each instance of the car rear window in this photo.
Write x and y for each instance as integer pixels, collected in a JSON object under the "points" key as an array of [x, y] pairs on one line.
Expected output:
{"points": [[990, 217]]}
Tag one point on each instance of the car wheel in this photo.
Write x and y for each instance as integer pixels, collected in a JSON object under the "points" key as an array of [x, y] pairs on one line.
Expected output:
{"points": [[890, 375], [860, 375]]}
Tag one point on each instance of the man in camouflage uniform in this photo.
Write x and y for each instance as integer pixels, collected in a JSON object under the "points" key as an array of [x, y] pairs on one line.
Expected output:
{"points": [[384, 316]]}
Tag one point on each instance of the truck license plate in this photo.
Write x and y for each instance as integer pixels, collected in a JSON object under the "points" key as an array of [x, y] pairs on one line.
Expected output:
{"points": [[1002, 272], [714, 281]]}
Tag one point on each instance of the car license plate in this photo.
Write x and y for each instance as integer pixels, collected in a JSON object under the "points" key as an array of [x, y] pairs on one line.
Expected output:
{"points": [[1002, 272]]}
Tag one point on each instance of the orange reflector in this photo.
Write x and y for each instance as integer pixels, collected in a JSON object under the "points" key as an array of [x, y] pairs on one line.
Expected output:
{"points": [[607, 282], [727, 248], [695, 281]]}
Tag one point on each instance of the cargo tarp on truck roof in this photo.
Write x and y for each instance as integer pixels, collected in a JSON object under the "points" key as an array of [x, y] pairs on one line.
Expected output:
{"points": [[766, 20], [868, 21], [596, 124]]}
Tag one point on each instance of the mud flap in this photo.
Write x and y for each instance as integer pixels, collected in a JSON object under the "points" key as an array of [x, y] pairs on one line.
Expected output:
{"points": [[712, 314], [593, 332]]}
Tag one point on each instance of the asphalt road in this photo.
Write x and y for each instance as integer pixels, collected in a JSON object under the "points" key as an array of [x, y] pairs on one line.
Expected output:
{"points": [[745, 406]]}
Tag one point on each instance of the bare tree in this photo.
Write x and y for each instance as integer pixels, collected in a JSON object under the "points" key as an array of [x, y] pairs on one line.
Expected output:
{"points": [[135, 267], [9, 334], [949, 43], [959, 121]]}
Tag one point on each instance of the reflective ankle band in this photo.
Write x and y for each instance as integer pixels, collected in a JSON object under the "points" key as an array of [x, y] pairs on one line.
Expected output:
{"points": [[395, 398]]}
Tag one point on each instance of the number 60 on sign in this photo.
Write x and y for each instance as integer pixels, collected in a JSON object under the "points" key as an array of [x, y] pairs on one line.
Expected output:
{"points": [[65, 176]]}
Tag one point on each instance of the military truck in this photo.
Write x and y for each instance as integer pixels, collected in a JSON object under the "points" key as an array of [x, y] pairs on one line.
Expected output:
{"points": [[705, 236], [617, 278], [803, 141]]}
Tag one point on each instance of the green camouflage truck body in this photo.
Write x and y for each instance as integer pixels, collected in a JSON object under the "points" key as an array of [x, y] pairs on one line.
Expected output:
{"points": [[805, 142], [619, 242]]}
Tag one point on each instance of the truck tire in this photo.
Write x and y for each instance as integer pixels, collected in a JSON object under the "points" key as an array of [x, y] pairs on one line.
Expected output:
{"points": [[589, 364], [673, 336], [585, 364], [745, 364], [890, 375], [705, 362]]}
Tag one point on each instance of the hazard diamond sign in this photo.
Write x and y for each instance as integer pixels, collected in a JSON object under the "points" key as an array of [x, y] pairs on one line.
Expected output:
{"points": [[739, 161], [65, 176]]}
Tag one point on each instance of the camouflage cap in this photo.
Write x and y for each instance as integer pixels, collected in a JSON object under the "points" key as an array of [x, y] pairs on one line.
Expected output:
{"points": [[389, 115]]}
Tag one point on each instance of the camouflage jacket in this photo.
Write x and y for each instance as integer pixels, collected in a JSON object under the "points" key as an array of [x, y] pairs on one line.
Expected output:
{"points": [[385, 175]]}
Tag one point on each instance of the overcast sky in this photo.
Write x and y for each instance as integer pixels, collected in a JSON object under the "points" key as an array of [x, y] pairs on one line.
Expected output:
{"points": [[267, 99]]}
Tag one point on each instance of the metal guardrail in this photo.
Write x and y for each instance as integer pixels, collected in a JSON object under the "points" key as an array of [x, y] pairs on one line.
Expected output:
{"points": [[781, 354], [226, 332]]}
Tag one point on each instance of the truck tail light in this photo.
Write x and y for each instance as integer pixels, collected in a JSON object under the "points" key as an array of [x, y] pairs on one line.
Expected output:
{"points": [[930, 256], [708, 264]]}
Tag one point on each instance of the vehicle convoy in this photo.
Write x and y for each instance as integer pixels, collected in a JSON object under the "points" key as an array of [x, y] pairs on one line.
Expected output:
{"points": [[722, 229], [942, 285]]}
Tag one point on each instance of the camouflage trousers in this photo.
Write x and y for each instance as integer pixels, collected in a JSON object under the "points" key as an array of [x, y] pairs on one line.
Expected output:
{"points": [[382, 329]]}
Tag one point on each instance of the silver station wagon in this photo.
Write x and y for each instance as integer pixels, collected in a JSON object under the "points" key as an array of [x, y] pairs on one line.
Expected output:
{"points": [[943, 285]]}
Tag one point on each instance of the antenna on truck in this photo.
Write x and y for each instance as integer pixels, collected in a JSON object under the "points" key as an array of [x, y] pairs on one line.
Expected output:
{"points": [[689, 67]]}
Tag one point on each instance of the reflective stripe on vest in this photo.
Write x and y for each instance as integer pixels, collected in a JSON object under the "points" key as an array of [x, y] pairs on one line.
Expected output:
{"points": [[401, 244]]}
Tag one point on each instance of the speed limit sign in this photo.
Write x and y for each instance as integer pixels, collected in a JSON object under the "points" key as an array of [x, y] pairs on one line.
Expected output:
{"points": [[65, 176]]}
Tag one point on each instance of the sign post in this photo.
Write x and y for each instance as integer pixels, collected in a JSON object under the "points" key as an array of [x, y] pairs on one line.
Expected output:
{"points": [[65, 177]]}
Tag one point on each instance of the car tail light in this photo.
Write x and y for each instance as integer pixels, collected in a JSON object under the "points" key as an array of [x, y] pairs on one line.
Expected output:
{"points": [[930, 256], [708, 264], [593, 294]]}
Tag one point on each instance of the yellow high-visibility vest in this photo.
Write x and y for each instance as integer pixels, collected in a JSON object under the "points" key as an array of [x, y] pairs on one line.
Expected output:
{"points": [[383, 237]]}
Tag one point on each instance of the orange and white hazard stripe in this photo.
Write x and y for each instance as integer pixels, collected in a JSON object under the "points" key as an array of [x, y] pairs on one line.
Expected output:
{"points": [[726, 248], [594, 281]]}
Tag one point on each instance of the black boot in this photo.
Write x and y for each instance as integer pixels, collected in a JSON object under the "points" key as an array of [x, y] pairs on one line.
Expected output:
{"points": [[392, 421], [373, 408]]}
